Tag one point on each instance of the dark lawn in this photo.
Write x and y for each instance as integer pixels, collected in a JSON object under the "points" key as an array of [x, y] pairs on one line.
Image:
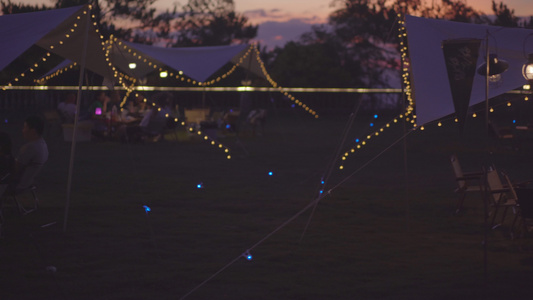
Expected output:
{"points": [[387, 232]]}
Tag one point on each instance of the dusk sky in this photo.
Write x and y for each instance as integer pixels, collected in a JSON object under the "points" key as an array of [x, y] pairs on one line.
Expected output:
{"points": [[284, 20]]}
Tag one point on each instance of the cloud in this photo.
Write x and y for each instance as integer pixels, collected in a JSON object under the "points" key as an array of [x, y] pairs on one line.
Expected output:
{"points": [[274, 33], [256, 13], [260, 16]]}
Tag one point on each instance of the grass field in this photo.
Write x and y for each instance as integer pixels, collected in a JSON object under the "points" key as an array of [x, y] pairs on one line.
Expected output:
{"points": [[388, 231]]}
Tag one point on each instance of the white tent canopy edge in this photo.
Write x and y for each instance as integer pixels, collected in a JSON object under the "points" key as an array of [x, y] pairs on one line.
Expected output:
{"points": [[431, 88]]}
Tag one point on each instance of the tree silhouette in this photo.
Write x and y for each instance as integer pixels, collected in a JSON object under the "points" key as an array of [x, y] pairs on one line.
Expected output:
{"points": [[204, 23]]}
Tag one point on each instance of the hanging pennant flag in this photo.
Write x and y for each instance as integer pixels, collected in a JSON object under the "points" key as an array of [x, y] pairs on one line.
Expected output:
{"points": [[460, 56]]}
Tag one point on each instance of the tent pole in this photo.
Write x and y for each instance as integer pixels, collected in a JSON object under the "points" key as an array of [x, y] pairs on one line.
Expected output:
{"points": [[203, 96], [76, 118], [486, 196], [405, 168]]}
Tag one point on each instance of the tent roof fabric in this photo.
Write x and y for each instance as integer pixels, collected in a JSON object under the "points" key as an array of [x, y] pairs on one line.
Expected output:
{"points": [[47, 28], [198, 63], [18, 32], [429, 76]]}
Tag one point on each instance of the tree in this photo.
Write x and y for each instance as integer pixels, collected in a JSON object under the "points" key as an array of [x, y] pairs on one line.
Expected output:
{"points": [[204, 23], [360, 33], [118, 17], [363, 34], [504, 16], [304, 65], [454, 10], [111, 15], [9, 7]]}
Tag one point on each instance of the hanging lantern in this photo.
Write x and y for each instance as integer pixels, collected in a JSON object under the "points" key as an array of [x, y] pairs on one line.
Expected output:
{"points": [[496, 68], [527, 69]]}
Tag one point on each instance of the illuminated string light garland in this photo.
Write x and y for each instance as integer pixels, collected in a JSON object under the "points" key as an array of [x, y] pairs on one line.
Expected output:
{"points": [[408, 116], [474, 114], [60, 43], [281, 89], [232, 69], [180, 76], [146, 60], [193, 130], [56, 73]]}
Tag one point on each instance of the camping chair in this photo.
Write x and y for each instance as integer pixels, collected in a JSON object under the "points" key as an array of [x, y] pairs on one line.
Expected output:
{"points": [[16, 195], [524, 214], [465, 181], [24, 188], [500, 195]]}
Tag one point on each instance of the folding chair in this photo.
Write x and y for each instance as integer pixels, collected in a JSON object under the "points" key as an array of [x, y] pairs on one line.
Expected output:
{"points": [[25, 187], [500, 195], [524, 214], [465, 181]]}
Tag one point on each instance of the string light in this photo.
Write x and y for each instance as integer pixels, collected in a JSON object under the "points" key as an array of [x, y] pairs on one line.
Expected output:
{"points": [[275, 85], [475, 114], [408, 115], [51, 47], [128, 83], [241, 60]]}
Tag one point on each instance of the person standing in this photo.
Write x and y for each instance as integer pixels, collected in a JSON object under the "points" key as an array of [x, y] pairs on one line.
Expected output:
{"points": [[67, 108]]}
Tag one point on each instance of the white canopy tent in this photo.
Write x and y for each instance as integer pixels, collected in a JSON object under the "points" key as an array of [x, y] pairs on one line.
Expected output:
{"points": [[432, 93], [198, 63], [66, 32]]}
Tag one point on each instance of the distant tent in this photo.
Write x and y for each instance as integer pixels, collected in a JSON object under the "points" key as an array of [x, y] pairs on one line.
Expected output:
{"points": [[197, 63], [430, 82]]}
